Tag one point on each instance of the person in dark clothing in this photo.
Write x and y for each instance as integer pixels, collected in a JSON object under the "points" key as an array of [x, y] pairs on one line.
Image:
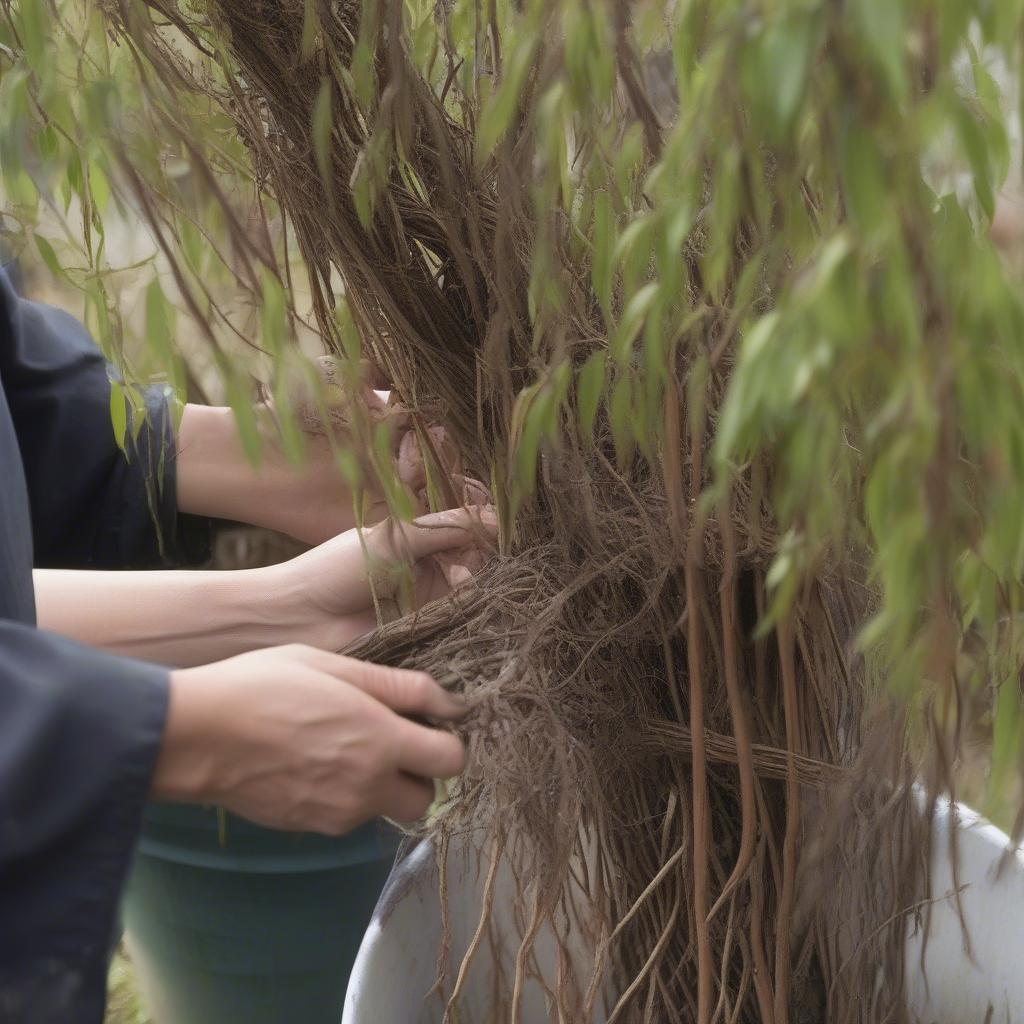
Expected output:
{"points": [[254, 712]]}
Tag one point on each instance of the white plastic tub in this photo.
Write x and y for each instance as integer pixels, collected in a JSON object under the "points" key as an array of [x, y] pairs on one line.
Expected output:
{"points": [[397, 962]]}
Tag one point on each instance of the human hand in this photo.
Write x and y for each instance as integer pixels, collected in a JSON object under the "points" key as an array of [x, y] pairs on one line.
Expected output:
{"points": [[312, 501], [329, 411], [327, 595], [297, 738]]}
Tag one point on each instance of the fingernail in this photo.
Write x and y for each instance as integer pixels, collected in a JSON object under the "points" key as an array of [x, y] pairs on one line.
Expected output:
{"points": [[458, 574]]}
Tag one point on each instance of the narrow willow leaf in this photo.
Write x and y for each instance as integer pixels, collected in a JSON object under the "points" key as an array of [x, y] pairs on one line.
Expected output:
{"points": [[157, 314], [1007, 720], [273, 313], [620, 414], [536, 419], [634, 243], [863, 175], [497, 115], [632, 321], [561, 378], [603, 245], [975, 143], [395, 494], [310, 28], [290, 433], [589, 387], [364, 78], [723, 216], [782, 55], [159, 333], [629, 161], [424, 42], [119, 413], [881, 24], [49, 257], [351, 342], [322, 110], [362, 190], [734, 436], [34, 20], [239, 396]]}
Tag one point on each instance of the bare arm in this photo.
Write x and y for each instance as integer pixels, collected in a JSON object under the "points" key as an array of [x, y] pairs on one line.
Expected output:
{"points": [[215, 479], [176, 617], [321, 598]]}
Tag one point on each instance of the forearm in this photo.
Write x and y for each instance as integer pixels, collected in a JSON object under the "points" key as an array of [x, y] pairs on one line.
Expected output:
{"points": [[214, 476], [175, 617], [216, 479]]}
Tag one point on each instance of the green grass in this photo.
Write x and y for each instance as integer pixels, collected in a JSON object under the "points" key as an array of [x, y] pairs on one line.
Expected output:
{"points": [[123, 1003]]}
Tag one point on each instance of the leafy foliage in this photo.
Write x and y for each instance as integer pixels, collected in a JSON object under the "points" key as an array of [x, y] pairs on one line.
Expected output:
{"points": [[785, 204], [881, 360]]}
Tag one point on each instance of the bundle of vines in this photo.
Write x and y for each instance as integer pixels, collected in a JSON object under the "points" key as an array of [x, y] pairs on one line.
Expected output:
{"points": [[703, 292]]}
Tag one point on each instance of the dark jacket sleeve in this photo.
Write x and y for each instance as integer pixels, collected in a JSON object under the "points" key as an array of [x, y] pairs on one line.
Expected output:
{"points": [[91, 506], [79, 738]]}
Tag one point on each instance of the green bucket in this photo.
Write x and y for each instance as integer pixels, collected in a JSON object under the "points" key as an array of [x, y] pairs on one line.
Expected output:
{"points": [[230, 923]]}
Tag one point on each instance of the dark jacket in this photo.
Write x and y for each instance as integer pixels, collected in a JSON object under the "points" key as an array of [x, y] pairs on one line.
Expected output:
{"points": [[79, 730]]}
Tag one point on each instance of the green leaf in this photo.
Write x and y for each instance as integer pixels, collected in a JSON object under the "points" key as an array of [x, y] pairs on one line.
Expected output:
{"points": [[118, 413], [364, 77], [628, 161], [863, 176], [777, 71], [976, 146], [34, 35], [350, 339], [633, 320], [1008, 719], [635, 251], [734, 438], [239, 395], [497, 114], [310, 28], [536, 420], [602, 259], [273, 313], [49, 257], [322, 110], [882, 28], [396, 495], [159, 332], [620, 413], [589, 386], [157, 317]]}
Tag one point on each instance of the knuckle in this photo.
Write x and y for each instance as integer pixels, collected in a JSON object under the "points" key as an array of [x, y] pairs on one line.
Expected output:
{"points": [[418, 685]]}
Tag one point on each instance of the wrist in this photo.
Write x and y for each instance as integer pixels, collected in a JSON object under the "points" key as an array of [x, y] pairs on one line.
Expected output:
{"points": [[185, 769], [219, 614], [288, 606]]}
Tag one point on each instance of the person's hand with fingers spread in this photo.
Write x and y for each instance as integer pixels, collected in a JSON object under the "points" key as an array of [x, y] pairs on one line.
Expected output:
{"points": [[312, 501], [388, 569], [297, 738]]}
